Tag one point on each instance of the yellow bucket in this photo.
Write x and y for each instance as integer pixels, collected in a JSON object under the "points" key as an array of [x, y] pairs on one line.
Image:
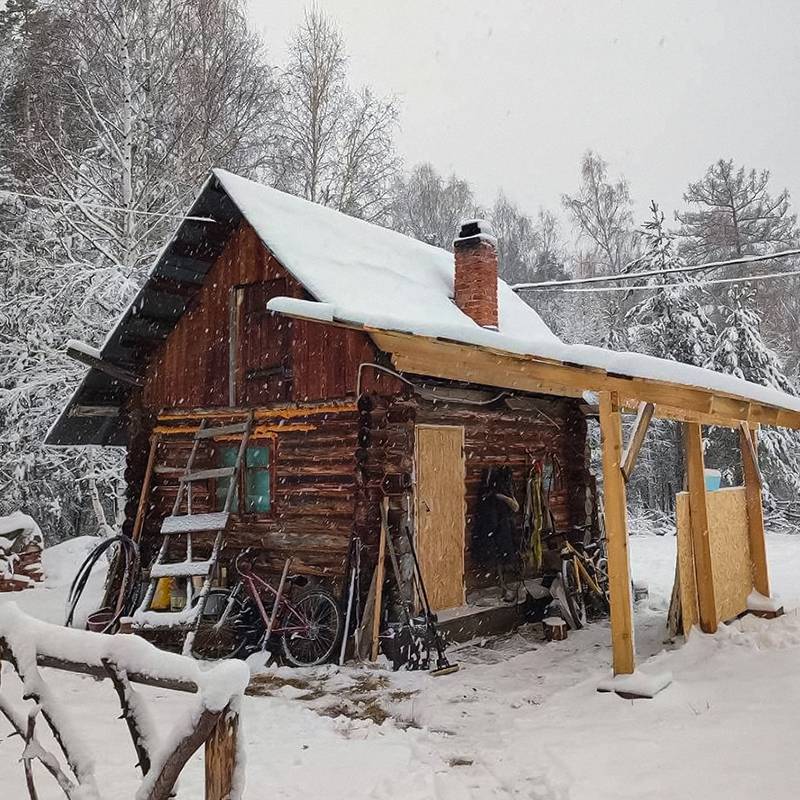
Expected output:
{"points": [[161, 597]]}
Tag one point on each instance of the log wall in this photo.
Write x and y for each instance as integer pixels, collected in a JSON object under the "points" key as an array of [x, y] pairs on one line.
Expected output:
{"points": [[190, 370], [494, 436], [313, 490]]}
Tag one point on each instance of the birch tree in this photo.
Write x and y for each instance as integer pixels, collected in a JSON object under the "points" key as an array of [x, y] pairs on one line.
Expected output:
{"points": [[430, 207], [601, 211], [150, 95], [335, 144]]}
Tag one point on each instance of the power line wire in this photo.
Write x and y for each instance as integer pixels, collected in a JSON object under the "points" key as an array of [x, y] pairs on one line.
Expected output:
{"points": [[630, 276], [605, 289], [62, 201]]}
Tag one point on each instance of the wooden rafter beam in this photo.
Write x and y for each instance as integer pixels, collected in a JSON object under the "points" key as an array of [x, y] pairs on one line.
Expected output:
{"points": [[112, 370], [449, 360], [643, 417], [94, 411], [455, 361]]}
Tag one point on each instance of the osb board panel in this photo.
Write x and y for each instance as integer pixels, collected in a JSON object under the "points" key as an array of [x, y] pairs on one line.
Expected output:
{"points": [[730, 554], [440, 513]]}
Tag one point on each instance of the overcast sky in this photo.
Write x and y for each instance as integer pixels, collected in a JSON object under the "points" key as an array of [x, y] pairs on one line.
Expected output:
{"points": [[511, 93]]}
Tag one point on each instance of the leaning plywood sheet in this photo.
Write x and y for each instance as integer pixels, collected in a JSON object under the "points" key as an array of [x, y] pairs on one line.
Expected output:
{"points": [[730, 555], [730, 549]]}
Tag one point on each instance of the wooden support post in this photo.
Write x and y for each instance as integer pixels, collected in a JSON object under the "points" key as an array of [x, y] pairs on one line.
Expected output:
{"points": [[643, 417], [220, 757], [698, 511], [755, 511], [379, 577], [616, 524]]}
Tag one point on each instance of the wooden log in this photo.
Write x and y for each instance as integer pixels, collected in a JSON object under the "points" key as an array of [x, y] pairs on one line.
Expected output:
{"points": [[220, 757], [616, 524], [755, 510], [698, 511], [161, 785], [555, 629]]}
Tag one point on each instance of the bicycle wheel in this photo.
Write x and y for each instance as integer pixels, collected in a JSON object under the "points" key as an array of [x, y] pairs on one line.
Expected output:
{"points": [[317, 628], [576, 603], [601, 576], [214, 641]]}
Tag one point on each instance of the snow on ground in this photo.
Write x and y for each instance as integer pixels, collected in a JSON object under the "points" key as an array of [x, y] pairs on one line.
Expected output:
{"points": [[521, 719]]}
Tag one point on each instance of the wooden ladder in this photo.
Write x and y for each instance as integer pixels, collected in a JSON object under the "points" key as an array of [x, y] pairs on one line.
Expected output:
{"points": [[184, 525]]}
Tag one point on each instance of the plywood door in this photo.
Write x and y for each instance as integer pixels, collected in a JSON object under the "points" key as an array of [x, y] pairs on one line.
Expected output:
{"points": [[440, 513]]}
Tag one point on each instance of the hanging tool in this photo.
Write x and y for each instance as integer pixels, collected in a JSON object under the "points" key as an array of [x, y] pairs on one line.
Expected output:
{"points": [[410, 645], [443, 666]]}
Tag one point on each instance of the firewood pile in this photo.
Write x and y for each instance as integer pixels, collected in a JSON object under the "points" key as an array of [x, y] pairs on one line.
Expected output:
{"points": [[21, 547]]}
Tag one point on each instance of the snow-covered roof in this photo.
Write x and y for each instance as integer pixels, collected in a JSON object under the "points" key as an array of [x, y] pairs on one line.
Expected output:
{"points": [[368, 272], [375, 277]]}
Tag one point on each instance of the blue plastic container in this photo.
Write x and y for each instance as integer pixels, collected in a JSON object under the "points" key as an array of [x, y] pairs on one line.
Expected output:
{"points": [[713, 479]]}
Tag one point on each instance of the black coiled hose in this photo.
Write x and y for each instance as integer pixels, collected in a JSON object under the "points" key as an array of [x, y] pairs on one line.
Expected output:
{"points": [[130, 563]]}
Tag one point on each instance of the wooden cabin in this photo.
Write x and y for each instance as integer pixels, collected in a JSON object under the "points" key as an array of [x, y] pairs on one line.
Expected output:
{"points": [[336, 426], [373, 366]]}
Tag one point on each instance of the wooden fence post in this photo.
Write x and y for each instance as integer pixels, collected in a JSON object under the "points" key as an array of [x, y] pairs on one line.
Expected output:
{"points": [[698, 512], [755, 513], [220, 756], [616, 524]]}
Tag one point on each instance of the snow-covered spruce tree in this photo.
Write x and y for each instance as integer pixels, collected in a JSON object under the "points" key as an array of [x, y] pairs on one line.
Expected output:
{"points": [[668, 322], [154, 94], [335, 145], [741, 351]]}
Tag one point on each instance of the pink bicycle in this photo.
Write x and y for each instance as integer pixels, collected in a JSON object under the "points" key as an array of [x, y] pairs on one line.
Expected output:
{"points": [[253, 615]]}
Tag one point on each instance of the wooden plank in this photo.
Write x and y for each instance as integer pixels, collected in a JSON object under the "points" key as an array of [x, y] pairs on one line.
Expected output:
{"points": [[109, 369], [234, 300], [698, 511], [755, 510], [643, 417], [205, 474], [616, 525], [94, 411], [141, 507], [221, 430], [439, 504], [194, 523], [379, 578], [220, 757], [685, 576]]}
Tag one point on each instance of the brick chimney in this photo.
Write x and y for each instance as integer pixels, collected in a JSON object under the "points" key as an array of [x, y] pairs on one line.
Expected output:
{"points": [[475, 283]]}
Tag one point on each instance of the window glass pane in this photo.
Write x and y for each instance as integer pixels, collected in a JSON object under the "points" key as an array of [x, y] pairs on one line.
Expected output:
{"points": [[257, 456], [258, 490]]}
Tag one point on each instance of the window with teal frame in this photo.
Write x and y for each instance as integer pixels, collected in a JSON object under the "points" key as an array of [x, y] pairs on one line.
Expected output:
{"points": [[255, 483]]}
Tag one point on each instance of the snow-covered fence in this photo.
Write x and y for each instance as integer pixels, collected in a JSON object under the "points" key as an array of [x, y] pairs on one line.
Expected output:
{"points": [[213, 720]]}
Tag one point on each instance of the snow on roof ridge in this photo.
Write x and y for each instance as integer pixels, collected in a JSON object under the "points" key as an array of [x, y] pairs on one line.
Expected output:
{"points": [[364, 269]]}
